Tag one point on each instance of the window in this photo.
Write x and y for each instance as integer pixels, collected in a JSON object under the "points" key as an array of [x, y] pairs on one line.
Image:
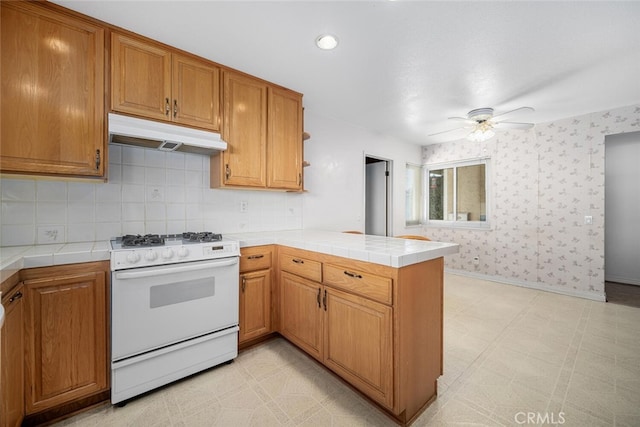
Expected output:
{"points": [[413, 198], [457, 193]]}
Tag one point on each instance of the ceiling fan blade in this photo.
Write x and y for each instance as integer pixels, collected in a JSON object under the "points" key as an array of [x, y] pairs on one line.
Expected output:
{"points": [[523, 109], [446, 131], [512, 125]]}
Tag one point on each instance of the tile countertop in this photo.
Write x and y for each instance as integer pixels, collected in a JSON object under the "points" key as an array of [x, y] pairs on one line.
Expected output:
{"points": [[388, 251], [15, 258]]}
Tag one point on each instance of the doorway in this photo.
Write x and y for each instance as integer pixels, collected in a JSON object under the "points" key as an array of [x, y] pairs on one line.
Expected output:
{"points": [[622, 204], [377, 196]]}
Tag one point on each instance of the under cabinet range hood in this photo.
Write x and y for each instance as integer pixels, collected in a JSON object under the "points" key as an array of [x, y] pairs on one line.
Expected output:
{"points": [[163, 136]]}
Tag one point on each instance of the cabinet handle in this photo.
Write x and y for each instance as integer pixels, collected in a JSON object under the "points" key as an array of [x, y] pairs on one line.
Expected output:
{"points": [[354, 275], [244, 283], [175, 108], [15, 297], [255, 256], [298, 261], [167, 107], [98, 159], [324, 300], [299, 179], [227, 171], [318, 298]]}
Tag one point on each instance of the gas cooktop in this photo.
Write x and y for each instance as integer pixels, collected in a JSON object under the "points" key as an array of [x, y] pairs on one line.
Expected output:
{"points": [[147, 240], [135, 250]]}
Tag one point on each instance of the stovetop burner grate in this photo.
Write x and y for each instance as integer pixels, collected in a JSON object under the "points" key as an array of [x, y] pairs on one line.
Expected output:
{"points": [[204, 236], [139, 240], [147, 240]]}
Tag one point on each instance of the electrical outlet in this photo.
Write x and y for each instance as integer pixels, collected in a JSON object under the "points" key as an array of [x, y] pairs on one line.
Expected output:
{"points": [[476, 260], [244, 206]]}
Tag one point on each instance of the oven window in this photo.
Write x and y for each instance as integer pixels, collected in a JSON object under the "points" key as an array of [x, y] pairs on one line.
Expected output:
{"points": [[176, 293]]}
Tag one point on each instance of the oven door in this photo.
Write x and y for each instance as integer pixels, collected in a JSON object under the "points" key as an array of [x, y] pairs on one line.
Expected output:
{"points": [[153, 307]]}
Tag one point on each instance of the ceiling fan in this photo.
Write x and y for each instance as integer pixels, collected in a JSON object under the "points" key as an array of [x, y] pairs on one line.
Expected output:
{"points": [[482, 123]]}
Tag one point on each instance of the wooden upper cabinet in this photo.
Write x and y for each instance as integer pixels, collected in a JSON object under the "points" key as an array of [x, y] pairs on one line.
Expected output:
{"points": [[284, 145], [152, 81], [141, 78], [196, 93], [52, 103], [245, 131], [262, 125]]}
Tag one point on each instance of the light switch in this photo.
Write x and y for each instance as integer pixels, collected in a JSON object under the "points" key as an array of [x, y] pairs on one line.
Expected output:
{"points": [[588, 219]]}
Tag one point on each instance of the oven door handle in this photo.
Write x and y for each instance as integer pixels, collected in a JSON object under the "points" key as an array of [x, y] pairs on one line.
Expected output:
{"points": [[176, 269]]}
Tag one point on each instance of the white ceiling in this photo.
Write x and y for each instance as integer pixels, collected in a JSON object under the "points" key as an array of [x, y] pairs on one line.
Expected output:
{"points": [[403, 67]]}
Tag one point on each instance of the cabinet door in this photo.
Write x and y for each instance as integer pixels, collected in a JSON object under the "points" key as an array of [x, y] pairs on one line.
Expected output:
{"points": [[52, 103], [196, 93], [140, 78], [12, 378], [284, 145], [255, 304], [301, 313], [244, 130], [358, 343], [66, 336]]}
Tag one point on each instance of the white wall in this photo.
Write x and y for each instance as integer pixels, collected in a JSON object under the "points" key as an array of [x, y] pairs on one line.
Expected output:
{"points": [[622, 208], [335, 179], [544, 182]]}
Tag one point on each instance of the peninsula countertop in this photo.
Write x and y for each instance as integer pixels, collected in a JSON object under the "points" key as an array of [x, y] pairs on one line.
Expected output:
{"points": [[389, 251]]}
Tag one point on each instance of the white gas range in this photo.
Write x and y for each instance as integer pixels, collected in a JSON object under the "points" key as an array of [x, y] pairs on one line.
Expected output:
{"points": [[174, 308]]}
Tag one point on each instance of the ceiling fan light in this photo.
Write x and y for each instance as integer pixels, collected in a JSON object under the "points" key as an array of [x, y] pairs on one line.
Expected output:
{"points": [[479, 134], [326, 41]]}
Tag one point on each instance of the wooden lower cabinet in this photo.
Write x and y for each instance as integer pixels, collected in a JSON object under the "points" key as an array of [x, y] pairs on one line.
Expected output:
{"points": [[12, 372], [255, 304], [377, 327], [358, 343], [65, 334], [256, 293], [301, 313]]}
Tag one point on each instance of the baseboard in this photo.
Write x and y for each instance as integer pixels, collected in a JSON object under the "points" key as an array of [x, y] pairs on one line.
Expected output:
{"points": [[623, 280], [532, 285]]}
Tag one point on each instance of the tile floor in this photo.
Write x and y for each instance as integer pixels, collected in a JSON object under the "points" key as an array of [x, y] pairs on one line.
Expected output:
{"points": [[513, 356]]}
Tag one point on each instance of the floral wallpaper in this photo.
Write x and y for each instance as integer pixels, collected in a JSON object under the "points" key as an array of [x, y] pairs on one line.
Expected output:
{"points": [[543, 183]]}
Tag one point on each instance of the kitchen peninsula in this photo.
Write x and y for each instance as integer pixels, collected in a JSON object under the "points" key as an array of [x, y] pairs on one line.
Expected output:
{"points": [[369, 308]]}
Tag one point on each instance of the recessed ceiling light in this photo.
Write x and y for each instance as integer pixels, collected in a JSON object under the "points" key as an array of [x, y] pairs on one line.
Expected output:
{"points": [[326, 41]]}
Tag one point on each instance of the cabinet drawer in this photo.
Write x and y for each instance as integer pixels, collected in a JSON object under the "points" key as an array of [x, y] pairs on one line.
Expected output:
{"points": [[255, 260], [300, 266], [368, 285]]}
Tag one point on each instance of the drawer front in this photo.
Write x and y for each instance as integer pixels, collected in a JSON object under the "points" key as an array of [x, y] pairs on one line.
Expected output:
{"points": [[255, 260], [368, 285], [300, 266]]}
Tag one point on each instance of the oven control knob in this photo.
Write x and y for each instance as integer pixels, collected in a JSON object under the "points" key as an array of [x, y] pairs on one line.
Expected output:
{"points": [[167, 253], [183, 252], [151, 256], [133, 257]]}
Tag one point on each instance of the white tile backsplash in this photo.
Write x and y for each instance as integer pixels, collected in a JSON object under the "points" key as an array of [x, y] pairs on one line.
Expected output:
{"points": [[148, 192], [51, 191], [18, 190]]}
